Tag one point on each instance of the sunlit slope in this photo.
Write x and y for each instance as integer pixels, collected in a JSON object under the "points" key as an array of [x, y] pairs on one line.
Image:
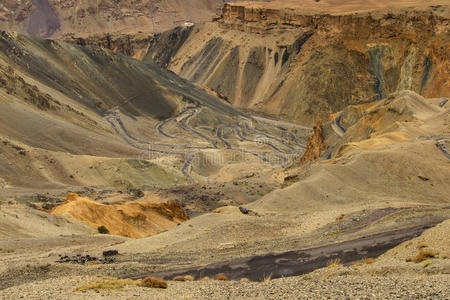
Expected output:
{"points": [[389, 151], [398, 163]]}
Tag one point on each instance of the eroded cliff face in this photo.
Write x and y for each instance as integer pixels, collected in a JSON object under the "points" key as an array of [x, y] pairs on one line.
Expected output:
{"points": [[302, 67], [133, 45]]}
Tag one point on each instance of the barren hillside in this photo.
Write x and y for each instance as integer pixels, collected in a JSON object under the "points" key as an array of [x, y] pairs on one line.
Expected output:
{"points": [[51, 18], [282, 150], [301, 67]]}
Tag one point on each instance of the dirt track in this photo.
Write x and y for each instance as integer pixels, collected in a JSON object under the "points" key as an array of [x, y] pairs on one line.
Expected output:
{"points": [[280, 158]]}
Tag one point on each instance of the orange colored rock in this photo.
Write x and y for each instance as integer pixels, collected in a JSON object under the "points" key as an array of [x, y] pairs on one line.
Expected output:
{"points": [[222, 277], [316, 145], [131, 219]]}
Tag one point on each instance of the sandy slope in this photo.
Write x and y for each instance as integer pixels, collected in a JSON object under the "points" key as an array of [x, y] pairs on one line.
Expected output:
{"points": [[24, 222], [435, 239], [353, 181]]}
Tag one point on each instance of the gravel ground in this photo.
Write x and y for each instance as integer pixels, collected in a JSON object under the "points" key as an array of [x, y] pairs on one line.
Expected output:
{"points": [[343, 287]]}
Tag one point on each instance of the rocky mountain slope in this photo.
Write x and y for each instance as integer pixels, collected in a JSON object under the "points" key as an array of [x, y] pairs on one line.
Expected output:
{"points": [[118, 130], [190, 182], [302, 66], [57, 101], [50, 18], [82, 117]]}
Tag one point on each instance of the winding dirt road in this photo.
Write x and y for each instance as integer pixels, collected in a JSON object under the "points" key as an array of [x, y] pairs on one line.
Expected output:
{"points": [[279, 159], [336, 125], [441, 146], [185, 126]]}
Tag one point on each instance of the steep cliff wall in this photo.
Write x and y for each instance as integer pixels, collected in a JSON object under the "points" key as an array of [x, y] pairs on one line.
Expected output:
{"points": [[302, 67]]}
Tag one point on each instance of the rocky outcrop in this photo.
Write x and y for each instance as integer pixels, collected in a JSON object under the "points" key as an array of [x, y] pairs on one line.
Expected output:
{"points": [[133, 45], [303, 66], [14, 84], [130, 219], [316, 145]]}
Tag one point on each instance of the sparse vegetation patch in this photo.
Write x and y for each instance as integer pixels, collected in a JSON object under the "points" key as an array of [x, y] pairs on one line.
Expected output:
{"points": [[102, 229], [107, 283], [423, 255], [333, 263]]}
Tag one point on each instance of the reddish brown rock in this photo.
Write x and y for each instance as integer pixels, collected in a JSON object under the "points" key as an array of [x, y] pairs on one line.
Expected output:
{"points": [[316, 145]]}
